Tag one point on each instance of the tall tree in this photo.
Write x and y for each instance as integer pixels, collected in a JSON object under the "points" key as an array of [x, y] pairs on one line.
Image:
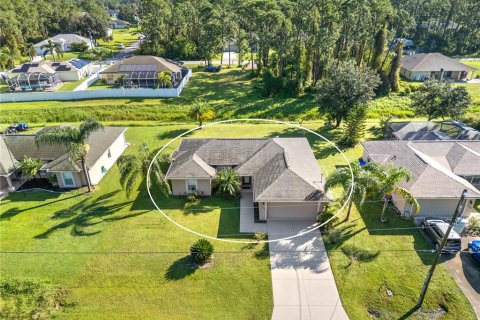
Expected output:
{"points": [[201, 112], [76, 141], [390, 177], [54, 49], [134, 166], [379, 48], [364, 183], [440, 99], [394, 74], [29, 51], [7, 58], [346, 87]]}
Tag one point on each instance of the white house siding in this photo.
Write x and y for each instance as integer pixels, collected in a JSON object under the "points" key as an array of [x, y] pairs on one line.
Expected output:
{"points": [[179, 187], [73, 75], [116, 150], [293, 210], [77, 178]]}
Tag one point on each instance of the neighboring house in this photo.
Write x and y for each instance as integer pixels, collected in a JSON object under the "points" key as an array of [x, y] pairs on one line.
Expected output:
{"points": [[420, 66], [65, 41], [430, 130], [142, 72], [118, 24], [106, 145], [282, 173], [113, 13], [46, 75], [441, 170]]}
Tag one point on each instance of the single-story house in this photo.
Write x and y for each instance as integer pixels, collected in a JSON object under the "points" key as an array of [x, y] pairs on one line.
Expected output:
{"points": [[33, 76], [113, 13], [440, 169], [106, 145], [118, 24], [142, 72], [420, 66], [282, 173], [65, 41], [431, 130], [72, 70]]}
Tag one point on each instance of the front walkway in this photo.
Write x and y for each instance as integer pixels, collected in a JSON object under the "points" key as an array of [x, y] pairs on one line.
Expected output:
{"points": [[247, 221], [302, 280]]}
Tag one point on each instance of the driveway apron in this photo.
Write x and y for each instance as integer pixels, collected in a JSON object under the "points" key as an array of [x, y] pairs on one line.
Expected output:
{"points": [[302, 280]]}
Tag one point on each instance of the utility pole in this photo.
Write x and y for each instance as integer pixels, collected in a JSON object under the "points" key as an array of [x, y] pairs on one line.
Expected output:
{"points": [[439, 252]]}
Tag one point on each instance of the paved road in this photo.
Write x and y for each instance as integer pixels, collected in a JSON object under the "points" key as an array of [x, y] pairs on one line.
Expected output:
{"points": [[466, 271], [302, 280], [128, 51]]}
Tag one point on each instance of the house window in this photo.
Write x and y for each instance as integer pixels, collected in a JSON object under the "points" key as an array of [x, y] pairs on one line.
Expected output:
{"points": [[68, 179], [103, 170], [109, 153], [191, 185], [448, 74]]}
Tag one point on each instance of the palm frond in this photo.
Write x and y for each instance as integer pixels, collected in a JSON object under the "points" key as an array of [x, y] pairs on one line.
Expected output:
{"points": [[87, 127], [410, 199]]}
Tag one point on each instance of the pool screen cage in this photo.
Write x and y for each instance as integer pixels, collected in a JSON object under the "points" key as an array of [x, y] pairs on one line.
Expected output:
{"points": [[33, 81], [144, 79]]}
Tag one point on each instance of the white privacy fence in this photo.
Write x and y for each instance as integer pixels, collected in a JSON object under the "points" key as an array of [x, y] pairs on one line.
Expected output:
{"points": [[96, 94]]}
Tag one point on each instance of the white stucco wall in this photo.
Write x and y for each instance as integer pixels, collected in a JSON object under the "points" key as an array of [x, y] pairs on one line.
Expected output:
{"points": [[116, 150], [77, 178]]}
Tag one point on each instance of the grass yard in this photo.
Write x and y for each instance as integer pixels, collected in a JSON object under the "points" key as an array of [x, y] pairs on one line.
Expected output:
{"points": [[231, 93], [120, 36], [473, 63], [70, 85], [100, 85], [119, 258]]}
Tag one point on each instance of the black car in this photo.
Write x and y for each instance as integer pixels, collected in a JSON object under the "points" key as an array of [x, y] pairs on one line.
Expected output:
{"points": [[211, 68], [436, 229]]}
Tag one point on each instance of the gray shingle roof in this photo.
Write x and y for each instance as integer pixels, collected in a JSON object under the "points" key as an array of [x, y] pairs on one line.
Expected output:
{"points": [[436, 166], [8, 163], [283, 169], [67, 37], [430, 130], [432, 62]]}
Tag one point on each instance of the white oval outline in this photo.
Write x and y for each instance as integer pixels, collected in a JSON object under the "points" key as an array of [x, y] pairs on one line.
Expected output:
{"points": [[240, 241]]}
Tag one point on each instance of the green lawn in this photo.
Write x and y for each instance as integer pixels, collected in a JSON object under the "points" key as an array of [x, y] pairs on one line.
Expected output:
{"points": [[99, 85], [120, 36], [231, 92], [70, 85], [119, 258], [473, 63]]}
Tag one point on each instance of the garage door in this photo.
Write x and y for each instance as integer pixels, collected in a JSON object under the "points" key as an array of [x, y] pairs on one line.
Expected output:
{"points": [[292, 210]]}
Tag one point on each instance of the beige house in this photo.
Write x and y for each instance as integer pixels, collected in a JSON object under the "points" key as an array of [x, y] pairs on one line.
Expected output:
{"points": [[282, 173], [418, 67], [106, 145], [441, 170], [141, 71]]}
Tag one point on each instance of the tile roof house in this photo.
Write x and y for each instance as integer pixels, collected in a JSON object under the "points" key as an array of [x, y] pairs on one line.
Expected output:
{"points": [[141, 71], [420, 66], [441, 170], [282, 173], [430, 130], [106, 145], [65, 41]]}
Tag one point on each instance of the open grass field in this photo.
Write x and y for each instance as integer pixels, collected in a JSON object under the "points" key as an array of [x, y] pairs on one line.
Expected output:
{"points": [[232, 93], [119, 258]]}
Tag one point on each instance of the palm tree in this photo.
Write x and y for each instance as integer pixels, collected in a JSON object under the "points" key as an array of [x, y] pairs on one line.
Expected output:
{"points": [[75, 139], [389, 178], [201, 112], [29, 167], [7, 59], [364, 183], [133, 167], [29, 51], [228, 182], [53, 47], [98, 54]]}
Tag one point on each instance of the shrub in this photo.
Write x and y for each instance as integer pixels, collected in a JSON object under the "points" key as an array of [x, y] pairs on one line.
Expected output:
{"points": [[192, 197], [201, 251], [328, 213], [79, 46], [260, 236], [473, 227]]}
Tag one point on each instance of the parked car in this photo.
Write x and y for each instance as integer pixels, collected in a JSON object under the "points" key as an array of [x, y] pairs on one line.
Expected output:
{"points": [[474, 249], [121, 46], [211, 68], [436, 229], [21, 126]]}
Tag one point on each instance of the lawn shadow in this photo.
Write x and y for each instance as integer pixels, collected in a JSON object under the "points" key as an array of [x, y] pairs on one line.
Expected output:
{"points": [[342, 232], [395, 226], [83, 217], [357, 254], [40, 196], [170, 134], [180, 269]]}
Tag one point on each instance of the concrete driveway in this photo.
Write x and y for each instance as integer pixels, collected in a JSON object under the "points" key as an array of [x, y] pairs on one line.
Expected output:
{"points": [[302, 280], [466, 272]]}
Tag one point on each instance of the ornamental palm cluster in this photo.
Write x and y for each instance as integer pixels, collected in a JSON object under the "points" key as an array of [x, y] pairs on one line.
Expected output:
{"points": [[228, 182]]}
